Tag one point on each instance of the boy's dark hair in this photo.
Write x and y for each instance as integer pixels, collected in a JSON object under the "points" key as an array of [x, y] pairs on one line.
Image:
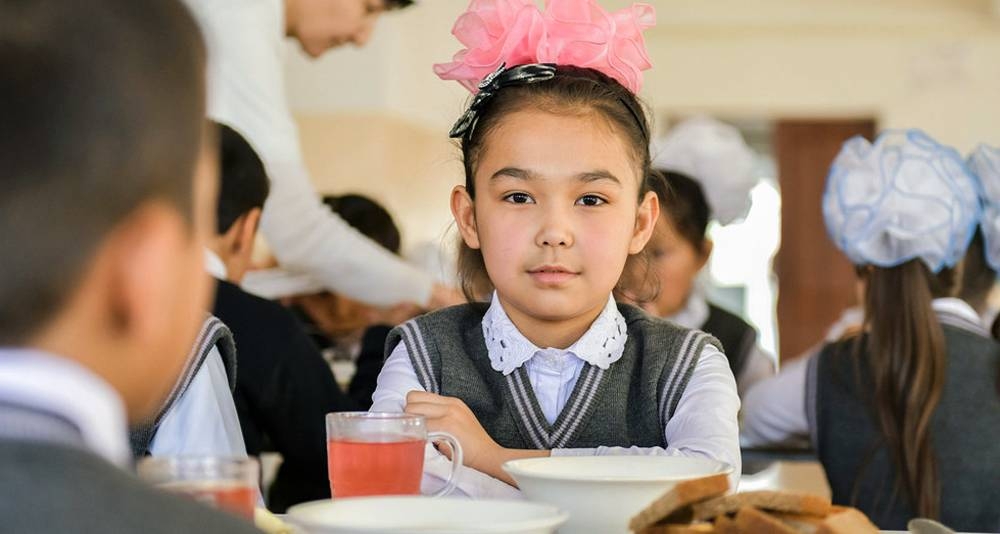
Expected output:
{"points": [[368, 217], [682, 201], [102, 105], [243, 182], [398, 4], [572, 91]]}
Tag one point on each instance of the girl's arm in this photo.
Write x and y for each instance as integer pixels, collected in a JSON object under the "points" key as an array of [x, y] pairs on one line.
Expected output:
{"points": [[397, 380], [704, 424], [453, 416], [774, 410]]}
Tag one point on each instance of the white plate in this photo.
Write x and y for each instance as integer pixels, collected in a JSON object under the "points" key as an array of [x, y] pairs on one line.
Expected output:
{"points": [[425, 515], [601, 493]]}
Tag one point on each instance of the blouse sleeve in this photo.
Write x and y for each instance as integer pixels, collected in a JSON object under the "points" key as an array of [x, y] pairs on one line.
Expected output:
{"points": [[774, 409]]}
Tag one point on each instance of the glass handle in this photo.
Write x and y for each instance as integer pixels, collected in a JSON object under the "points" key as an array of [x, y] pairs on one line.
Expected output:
{"points": [[456, 460]]}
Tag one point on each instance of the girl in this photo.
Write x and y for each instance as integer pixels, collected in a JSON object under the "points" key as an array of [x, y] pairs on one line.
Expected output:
{"points": [[555, 203], [905, 415], [680, 249]]}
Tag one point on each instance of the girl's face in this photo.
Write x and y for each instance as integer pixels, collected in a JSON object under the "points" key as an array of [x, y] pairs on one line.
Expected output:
{"points": [[676, 263], [556, 214]]}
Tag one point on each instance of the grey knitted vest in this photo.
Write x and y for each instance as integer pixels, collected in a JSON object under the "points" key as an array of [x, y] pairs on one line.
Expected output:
{"points": [[627, 404], [213, 333], [965, 432]]}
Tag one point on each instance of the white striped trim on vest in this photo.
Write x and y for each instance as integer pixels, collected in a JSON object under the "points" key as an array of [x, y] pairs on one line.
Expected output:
{"points": [[213, 333], [421, 359], [687, 358], [566, 425]]}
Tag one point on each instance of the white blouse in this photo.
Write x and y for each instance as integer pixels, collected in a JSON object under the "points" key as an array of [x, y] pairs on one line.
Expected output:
{"points": [[775, 411], [704, 423], [759, 365]]}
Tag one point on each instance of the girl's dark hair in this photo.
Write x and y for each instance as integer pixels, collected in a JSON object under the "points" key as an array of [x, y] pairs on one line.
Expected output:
{"points": [[906, 358], [683, 201], [572, 91], [977, 275]]}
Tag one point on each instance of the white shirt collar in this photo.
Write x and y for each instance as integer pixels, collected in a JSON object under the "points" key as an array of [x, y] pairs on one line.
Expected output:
{"points": [[958, 313], [214, 265], [694, 314], [61, 386], [602, 344]]}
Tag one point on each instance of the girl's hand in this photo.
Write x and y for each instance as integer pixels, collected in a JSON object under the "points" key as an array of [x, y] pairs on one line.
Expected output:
{"points": [[451, 415]]}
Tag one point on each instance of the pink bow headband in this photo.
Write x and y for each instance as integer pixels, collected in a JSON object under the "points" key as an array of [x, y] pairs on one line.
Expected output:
{"points": [[568, 32]]}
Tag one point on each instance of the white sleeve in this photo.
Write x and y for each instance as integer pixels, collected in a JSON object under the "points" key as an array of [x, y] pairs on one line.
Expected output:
{"points": [[396, 380], [246, 91], [705, 423], [203, 421], [774, 410], [759, 365]]}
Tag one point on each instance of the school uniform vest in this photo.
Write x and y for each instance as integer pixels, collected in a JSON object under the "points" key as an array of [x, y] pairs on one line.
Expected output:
{"points": [[213, 334], [626, 404], [737, 336], [965, 432]]}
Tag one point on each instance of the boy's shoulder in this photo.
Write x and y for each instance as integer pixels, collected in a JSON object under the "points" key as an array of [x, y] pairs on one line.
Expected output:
{"points": [[40, 491]]}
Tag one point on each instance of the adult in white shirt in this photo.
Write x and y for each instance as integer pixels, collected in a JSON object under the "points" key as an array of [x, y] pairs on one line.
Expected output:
{"points": [[246, 91]]}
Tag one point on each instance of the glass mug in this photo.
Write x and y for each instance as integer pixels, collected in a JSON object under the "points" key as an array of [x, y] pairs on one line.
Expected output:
{"points": [[225, 483], [373, 453]]}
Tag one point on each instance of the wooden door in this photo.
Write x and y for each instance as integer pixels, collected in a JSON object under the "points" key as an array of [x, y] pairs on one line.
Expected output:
{"points": [[815, 281]]}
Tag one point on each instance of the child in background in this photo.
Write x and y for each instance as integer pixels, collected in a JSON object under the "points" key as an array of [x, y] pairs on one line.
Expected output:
{"points": [[355, 332], [980, 273], [555, 204], [680, 250], [904, 415]]}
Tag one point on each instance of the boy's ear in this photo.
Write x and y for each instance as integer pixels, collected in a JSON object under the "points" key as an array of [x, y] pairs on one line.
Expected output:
{"points": [[145, 250], [246, 228], [645, 222], [464, 211], [706, 252]]}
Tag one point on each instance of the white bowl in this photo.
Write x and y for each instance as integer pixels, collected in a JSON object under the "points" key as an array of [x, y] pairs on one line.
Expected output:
{"points": [[425, 515], [601, 493]]}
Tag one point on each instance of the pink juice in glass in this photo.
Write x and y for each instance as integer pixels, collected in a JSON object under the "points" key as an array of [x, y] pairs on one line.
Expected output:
{"points": [[392, 466], [233, 497]]}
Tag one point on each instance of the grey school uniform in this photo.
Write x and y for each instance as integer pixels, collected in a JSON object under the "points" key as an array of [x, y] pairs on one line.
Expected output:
{"points": [[965, 432], [627, 404], [50, 483]]}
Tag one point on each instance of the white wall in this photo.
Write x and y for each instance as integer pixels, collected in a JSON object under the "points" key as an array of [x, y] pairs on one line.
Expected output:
{"points": [[375, 120]]}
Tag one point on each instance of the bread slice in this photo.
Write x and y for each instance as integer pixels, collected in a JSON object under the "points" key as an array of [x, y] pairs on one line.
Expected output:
{"points": [[696, 528], [750, 519], [776, 501], [672, 506], [725, 525], [849, 521]]}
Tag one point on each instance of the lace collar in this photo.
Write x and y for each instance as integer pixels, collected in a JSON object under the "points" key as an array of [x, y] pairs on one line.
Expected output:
{"points": [[601, 345]]}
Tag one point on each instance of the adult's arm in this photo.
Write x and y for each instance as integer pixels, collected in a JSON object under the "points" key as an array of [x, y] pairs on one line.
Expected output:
{"points": [[246, 91]]}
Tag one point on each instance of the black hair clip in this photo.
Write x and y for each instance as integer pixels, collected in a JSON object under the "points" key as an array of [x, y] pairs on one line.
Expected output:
{"points": [[498, 79]]}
